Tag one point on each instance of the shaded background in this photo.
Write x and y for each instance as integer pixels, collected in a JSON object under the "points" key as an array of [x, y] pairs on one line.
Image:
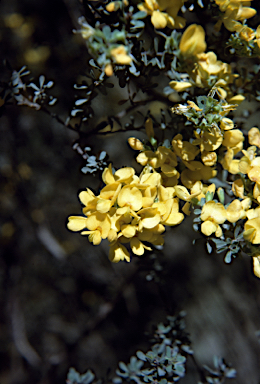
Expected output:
{"points": [[63, 303]]}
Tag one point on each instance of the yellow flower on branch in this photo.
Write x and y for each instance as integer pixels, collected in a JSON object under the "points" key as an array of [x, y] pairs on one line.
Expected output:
{"points": [[212, 215], [118, 252], [193, 41], [252, 231], [254, 137], [164, 13]]}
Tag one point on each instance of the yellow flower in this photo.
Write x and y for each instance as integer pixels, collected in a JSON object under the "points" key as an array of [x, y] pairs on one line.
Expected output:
{"points": [[212, 215], [173, 216], [193, 41], [88, 199], [107, 197], [252, 230], [183, 149], [123, 175], [233, 139], [115, 5], [205, 189], [254, 137], [208, 63], [209, 140], [209, 158], [109, 69], [180, 86], [138, 247], [254, 172], [247, 33], [235, 211], [256, 265], [131, 197], [120, 56], [162, 19], [238, 188], [149, 218], [135, 144], [98, 225], [77, 223], [226, 124], [196, 171], [228, 162], [118, 252]]}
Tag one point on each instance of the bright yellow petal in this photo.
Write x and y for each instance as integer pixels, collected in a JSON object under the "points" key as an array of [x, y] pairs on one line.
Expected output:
{"points": [[118, 252], [208, 227], [131, 197], [159, 20], [193, 40], [213, 211], [256, 265], [77, 223], [150, 217], [107, 175], [234, 211]]}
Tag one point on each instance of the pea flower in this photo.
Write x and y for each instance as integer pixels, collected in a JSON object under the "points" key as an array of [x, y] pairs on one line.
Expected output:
{"points": [[128, 210], [212, 215], [252, 230], [193, 41], [254, 137], [162, 19]]}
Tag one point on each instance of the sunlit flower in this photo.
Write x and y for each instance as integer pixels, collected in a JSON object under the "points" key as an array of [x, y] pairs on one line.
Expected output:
{"points": [[193, 41], [180, 86], [135, 144], [209, 140], [164, 13], [233, 139], [196, 171], [238, 188], [183, 149], [209, 158], [252, 230], [212, 215], [118, 252], [254, 137], [235, 11], [256, 265], [226, 124], [235, 211]]}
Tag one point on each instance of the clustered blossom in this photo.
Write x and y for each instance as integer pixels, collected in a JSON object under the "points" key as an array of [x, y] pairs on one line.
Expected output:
{"points": [[201, 66], [188, 184], [234, 13], [129, 209]]}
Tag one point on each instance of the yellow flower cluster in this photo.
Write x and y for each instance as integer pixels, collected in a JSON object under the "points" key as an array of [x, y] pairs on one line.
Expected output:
{"points": [[201, 66], [192, 173], [164, 13], [129, 209], [234, 13]]}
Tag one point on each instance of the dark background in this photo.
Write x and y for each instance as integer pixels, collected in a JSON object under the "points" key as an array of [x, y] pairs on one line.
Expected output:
{"points": [[62, 302]]}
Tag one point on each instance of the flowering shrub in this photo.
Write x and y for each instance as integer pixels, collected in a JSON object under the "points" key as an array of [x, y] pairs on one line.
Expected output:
{"points": [[184, 84]]}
